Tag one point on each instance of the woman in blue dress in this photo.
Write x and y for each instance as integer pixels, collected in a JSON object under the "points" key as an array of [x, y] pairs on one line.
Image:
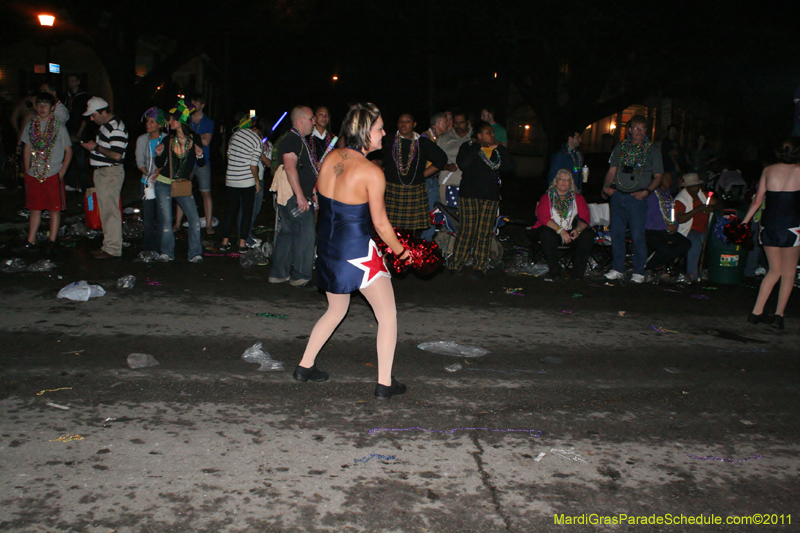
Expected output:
{"points": [[780, 230], [351, 191]]}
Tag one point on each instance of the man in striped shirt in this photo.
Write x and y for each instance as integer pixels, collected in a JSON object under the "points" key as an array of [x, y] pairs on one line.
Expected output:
{"points": [[106, 156], [241, 179]]}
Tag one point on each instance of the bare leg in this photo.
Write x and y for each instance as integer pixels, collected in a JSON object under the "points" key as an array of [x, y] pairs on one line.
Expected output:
{"points": [[789, 257], [380, 296], [178, 218], [769, 281], [207, 205], [33, 225], [325, 326], [55, 222]]}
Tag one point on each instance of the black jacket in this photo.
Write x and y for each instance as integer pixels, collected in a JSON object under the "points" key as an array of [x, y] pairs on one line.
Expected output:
{"points": [[478, 179]]}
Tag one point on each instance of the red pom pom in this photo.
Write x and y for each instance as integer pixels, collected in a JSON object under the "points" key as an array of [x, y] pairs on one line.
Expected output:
{"points": [[425, 257], [738, 233]]}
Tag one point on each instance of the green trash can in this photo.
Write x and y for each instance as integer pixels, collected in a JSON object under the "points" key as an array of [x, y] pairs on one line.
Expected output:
{"points": [[726, 262]]}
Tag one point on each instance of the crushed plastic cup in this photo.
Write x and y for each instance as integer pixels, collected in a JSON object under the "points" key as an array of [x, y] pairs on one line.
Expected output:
{"points": [[141, 360], [126, 282], [455, 367], [13, 265], [256, 354], [132, 227], [81, 291], [451, 348], [45, 265]]}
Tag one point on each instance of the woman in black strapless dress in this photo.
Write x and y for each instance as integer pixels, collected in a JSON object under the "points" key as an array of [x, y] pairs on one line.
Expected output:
{"points": [[779, 189]]}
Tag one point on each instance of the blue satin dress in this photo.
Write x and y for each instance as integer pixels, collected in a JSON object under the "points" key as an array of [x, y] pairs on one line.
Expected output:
{"points": [[780, 221], [347, 257]]}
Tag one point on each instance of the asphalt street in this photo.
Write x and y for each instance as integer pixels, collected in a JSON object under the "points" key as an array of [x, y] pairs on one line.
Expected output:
{"points": [[595, 400]]}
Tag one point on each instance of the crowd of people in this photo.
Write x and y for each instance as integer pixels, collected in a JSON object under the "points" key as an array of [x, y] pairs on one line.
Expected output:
{"points": [[656, 192]]}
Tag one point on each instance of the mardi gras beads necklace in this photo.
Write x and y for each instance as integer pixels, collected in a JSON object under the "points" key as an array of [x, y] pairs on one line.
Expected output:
{"points": [[312, 155], [634, 155], [42, 143], [562, 204], [576, 159], [182, 153], [662, 206], [397, 155], [493, 165]]}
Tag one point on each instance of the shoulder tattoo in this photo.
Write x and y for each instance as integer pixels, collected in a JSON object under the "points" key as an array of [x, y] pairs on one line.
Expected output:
{"points": [[339, 168]]}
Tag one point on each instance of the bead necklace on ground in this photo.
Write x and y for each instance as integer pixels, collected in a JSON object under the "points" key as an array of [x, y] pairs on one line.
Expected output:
{"points": [[311, 153], [397, 155], [561, 204], [42, 143]]}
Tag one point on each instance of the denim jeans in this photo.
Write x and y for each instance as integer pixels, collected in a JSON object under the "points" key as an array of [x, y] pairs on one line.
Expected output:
{"points": [[628, 212], [293, 256], [149, 240], [257, 202], [164, 205], [693, 255], [432, 186]]}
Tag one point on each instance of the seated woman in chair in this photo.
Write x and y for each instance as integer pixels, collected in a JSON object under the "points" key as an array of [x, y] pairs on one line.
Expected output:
{"points": [[562, 217]]}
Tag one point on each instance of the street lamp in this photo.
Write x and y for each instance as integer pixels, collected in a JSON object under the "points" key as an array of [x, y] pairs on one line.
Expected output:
{"points": [[47, 20]]}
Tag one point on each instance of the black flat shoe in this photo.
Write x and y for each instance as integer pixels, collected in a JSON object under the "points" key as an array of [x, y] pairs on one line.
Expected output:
{"points": [[763, 318], [382, 392], [312, 374], [777, 322]]}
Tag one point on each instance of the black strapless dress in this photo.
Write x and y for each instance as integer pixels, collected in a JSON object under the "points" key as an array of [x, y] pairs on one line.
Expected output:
{"points": [[780, 221], [347, 257]]}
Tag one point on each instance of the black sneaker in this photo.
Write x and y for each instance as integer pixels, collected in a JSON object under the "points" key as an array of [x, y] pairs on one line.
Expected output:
{"points": [[27, 248]]}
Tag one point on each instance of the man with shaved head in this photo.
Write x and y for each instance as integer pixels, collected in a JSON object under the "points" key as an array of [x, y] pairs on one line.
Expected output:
{"points": [[293, 256]]}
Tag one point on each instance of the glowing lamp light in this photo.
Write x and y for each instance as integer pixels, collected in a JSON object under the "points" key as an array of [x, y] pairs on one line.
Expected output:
{"points": [[181, 96], [527, 126], [612, 127], [335, 78], [252, 113], [46, 20], [495, 74]]}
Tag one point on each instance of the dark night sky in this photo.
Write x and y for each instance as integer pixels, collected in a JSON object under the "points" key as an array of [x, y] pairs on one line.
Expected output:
{"points": [[742, 63]]}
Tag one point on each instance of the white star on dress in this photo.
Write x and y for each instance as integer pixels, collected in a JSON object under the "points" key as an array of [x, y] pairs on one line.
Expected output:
{"points": [[372, 264], [796, 232]]}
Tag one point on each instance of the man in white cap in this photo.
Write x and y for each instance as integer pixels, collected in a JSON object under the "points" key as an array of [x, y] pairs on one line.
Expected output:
{"points": [[106, 156]]}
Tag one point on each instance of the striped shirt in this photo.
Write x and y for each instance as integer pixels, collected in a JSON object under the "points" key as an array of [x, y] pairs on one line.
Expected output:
{"points": [[114, 136], [244, 151]]}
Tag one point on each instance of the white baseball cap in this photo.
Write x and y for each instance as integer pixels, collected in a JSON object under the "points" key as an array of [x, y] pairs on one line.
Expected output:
{"points": [[94, 103]]}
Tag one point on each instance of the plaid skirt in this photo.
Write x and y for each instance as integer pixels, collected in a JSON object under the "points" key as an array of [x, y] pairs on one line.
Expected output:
{"points": [[407, 206]]}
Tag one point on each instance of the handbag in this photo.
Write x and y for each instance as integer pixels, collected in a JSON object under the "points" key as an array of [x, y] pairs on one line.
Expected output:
{"points": [[180, 187]]}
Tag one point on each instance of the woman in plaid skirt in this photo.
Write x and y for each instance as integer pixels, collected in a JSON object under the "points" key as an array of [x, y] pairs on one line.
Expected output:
{"points": [[407, 161], [481, 161]]}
